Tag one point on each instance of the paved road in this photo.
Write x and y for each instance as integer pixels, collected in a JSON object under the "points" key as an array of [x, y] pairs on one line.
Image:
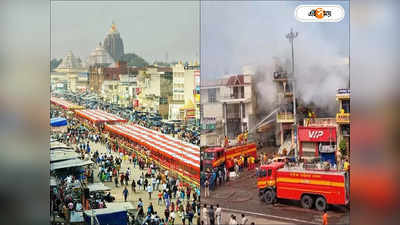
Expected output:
{"points": [[132, 197], [241, 194]]}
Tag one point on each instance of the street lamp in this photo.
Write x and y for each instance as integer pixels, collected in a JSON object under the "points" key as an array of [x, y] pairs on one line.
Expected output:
{"points": [[291, 36]]}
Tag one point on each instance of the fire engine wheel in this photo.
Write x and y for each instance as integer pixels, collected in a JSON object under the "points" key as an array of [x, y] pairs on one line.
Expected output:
{"points": [[306, 201], [320, 204], [269, 197]]}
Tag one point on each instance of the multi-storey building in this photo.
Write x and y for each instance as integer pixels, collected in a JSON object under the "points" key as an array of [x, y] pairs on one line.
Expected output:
{"points": [[104, 80], [284, 117], [227, 108], [184, 81], [343, 116], [238, 109], [154, 90]]}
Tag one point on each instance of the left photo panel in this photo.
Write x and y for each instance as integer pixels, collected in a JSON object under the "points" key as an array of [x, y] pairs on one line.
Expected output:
{"points": [[125, 112]]}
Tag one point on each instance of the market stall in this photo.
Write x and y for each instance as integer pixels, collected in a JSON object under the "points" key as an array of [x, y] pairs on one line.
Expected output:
{"points": [[94, 118], [64, 104], [171, 153]]}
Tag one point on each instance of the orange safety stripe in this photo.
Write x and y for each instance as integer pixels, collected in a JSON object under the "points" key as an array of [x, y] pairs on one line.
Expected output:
{"points": [[310, 181]]}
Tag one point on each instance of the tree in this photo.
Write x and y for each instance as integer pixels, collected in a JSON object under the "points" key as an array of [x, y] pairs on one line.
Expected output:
{"points": [[134, 60], [54, 63], [343, 147]]}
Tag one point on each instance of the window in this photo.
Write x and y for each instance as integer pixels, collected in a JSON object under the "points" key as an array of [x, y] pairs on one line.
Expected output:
{"points": [[212, 95], [346, 106], [262, 173], [243, 111]]}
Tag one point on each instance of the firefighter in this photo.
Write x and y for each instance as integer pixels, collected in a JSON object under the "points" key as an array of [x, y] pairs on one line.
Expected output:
{"points": [[241, 162], [248, 163], [265, 158], [346, 165], [245, 136], [252, 162], [226, 142], [240, 138], [325, 218]]}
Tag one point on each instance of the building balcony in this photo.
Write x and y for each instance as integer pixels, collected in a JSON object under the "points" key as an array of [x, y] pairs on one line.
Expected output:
{"points": [[232, 99], [280, 76], [284, 117], [343, 118], [343, 94], [288, 94], [320, 122], [232, 115]]}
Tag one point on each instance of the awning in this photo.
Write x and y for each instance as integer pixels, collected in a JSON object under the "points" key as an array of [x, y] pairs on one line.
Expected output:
{"points": [[99, 116], [58, 145], [53, 181], [111, 208], [58, 122], [64, 104], [156, 141], [62, 155], [98, 187], [69, 163]]}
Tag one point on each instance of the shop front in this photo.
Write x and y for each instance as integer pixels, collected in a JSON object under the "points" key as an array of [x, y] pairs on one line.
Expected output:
{"points": [[317, 142]]}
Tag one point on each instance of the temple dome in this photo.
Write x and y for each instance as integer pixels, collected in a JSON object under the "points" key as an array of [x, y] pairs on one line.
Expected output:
{"points": [[69, 63], [100, 57]]}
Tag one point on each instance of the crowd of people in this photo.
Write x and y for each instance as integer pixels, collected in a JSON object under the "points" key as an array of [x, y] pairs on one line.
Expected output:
{"points": [[179, 200], [212, 216]]}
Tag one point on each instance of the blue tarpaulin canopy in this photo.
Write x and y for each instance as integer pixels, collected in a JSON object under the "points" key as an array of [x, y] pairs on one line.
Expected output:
{"points": [[58, 122]]}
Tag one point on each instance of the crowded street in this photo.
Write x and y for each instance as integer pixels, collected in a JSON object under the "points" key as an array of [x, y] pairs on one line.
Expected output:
{"points": [[117, 176]]}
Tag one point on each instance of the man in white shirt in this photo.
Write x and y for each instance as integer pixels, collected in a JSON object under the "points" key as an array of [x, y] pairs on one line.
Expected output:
{"points": [[244, 220], [205, 214], [218, 214]]}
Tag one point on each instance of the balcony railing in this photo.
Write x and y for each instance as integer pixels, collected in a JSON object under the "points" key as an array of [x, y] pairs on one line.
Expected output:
{"points": [[232, 115], [229, 97], [320, 122], [343, 118], [280, 76], [285, 117]]}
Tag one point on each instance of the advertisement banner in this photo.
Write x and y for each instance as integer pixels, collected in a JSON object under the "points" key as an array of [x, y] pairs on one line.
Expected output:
{"points": [[317, 134]]}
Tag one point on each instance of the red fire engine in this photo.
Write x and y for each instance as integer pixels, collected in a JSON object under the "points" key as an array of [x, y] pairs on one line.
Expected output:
{"points": [[311, 187], [219, 156]]}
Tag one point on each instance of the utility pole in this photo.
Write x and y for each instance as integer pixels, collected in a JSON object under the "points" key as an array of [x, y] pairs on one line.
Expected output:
{"points": [[291, 36]]}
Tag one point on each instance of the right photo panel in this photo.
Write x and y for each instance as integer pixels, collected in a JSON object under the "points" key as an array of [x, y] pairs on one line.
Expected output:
{"points": [[275, 112]]}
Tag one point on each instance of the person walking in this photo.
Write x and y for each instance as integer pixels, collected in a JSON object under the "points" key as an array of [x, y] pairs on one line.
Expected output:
{"points": [[160, 197], [149, 190], [233, 220], [206, 189], [211, 215], [218, 212], [133, 186], [244, 220], [116, 181], [125, 192], [325, 218], [205, 214]]}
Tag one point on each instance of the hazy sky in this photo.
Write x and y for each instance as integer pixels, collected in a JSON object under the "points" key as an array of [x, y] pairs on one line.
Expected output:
{"points": [[236, 34], [149, 29]]}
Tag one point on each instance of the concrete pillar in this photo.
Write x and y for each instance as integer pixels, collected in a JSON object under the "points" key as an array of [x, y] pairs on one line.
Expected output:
{"points": [[225, 119], [281, 130], [241, 116]]}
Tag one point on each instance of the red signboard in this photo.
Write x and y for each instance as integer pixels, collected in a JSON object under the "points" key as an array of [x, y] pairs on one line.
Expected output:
{"points": [[317, 134]]}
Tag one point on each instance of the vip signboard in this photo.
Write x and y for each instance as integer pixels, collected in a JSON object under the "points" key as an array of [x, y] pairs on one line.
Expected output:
{"points": [[317, 134]]}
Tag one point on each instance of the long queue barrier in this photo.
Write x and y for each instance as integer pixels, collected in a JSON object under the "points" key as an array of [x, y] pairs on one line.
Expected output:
{"points": [[173, 173]]}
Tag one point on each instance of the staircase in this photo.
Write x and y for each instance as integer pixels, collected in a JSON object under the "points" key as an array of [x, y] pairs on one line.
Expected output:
{"points": [[287, 144]]}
